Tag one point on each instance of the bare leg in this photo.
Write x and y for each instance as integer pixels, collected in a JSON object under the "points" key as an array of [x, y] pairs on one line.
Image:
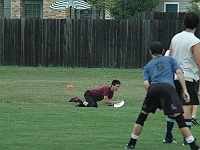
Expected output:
{"points": [[194, 114], [187, 111], [137, 129], [194, 110], [185, 131]]}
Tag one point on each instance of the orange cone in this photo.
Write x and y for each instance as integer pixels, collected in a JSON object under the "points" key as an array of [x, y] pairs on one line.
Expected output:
{"points": [[69, 86]]}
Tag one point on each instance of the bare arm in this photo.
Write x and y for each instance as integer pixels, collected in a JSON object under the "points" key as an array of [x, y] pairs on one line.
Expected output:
{"points": [[110, 101], [196, 52], [170, 48], [181, 79]]}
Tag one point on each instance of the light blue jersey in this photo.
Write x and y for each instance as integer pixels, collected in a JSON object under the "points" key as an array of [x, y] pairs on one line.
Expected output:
{"points": [[161, 69]]}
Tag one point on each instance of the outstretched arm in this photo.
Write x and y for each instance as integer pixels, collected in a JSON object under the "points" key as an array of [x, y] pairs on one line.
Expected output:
{"points": [[110, 101]]}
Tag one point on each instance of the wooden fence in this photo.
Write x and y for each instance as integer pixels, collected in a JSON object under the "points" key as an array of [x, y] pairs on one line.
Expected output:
{"points": [[82, 43]]}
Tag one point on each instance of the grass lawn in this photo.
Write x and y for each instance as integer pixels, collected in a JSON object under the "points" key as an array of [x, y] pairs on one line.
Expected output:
{"points": [[36, 115]]}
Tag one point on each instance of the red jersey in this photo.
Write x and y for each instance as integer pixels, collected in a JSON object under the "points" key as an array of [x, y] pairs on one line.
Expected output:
{"points": [[99, 93]]}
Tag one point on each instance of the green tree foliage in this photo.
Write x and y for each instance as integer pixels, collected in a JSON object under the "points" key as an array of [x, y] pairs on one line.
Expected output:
{"points": [[195, 1], [127, 9], [194, 7], [124, 9], [101, 4]]}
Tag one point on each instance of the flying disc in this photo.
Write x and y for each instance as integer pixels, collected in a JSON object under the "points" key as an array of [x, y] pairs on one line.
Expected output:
{"points": [[120, 104]]}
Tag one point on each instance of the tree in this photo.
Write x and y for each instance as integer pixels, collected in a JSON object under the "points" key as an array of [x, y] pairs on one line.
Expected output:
{"points": [[195, 1], [1, 8], [101, 4], [194, 7], [124, 9]]}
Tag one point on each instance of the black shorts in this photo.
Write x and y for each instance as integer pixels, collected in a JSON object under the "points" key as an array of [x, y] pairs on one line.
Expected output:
{"points": [[162, 96], [192, 90], [90, 99]]}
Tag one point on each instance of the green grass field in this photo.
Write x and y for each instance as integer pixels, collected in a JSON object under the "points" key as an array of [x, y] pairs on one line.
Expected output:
{"points": [[36, 115]]}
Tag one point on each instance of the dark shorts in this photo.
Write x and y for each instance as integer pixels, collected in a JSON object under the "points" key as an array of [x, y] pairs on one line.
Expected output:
{"points": [[192, 90], [162, 96], [90, 99]]}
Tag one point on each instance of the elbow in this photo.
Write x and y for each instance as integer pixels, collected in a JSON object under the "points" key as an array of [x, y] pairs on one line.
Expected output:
{"points": [[179, 72]]}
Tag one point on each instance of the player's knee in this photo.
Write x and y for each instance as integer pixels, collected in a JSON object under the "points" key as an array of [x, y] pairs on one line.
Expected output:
{"points": [[180, 121], [141, 119]]}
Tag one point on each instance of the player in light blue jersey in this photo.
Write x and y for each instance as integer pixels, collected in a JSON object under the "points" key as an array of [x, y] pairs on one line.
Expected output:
{"points": [[158, 77]]}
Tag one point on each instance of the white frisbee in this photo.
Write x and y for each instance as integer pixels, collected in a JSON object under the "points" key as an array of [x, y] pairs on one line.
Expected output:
{"points": [[119, 104]]}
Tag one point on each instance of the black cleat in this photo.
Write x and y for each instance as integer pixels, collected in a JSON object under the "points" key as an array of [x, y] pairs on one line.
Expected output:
{"points": [[173, 141], [130, 146], [74, 99], [195, 121]]}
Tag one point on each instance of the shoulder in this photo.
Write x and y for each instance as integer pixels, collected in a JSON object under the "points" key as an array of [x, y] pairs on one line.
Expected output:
{"points": [[179, 34], [175, 62], [106, 87]]}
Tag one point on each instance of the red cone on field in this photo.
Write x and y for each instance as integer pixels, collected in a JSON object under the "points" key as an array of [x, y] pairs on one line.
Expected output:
{"points": [[69, 86]]}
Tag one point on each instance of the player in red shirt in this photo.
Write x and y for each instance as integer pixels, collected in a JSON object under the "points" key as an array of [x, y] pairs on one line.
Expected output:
{"points": [[94, 95]]}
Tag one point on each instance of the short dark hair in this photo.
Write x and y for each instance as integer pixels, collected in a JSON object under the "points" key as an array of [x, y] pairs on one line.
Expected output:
{"points": [[156, 47], [191, 20], [114, 82]]}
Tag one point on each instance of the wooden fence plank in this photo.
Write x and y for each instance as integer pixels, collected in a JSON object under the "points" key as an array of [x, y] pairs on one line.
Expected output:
{"points": [[86, 43], [2, 41]]}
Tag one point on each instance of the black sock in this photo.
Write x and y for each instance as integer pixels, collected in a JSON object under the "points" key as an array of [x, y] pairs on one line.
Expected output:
{"points": [[170, 125], [80, 104], [132, 141], [194, 146]]}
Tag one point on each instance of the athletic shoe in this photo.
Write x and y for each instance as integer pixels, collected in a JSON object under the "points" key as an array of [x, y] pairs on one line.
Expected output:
{"points": [[184, 143], [173, 141], [130, 147], [194, 121], [74, 99]]}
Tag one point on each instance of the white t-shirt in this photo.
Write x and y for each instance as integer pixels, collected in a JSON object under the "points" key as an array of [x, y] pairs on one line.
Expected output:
{"points": [[181, 44], [167, 52]]}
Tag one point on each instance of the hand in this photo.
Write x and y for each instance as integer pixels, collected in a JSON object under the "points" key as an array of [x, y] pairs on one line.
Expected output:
{"points": [[198, 93], [118, 101], [186, 96]]}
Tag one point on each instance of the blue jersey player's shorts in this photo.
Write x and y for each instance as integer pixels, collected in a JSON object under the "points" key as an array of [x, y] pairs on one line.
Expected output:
{"points": [[162, 96]]}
